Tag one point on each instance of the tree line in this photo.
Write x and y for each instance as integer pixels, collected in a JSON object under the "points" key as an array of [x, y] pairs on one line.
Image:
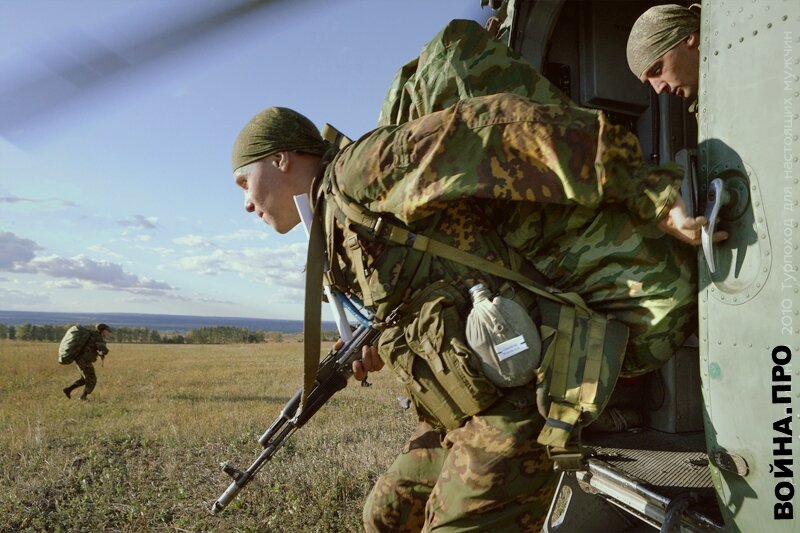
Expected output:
{"points": [[203, 335]]}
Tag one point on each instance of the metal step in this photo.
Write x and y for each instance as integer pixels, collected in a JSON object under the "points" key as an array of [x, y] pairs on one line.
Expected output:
{"points": [[652, 476]]}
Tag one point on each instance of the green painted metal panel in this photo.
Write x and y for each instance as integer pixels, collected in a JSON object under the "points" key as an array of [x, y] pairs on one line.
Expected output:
{"points": [[750, 307]]}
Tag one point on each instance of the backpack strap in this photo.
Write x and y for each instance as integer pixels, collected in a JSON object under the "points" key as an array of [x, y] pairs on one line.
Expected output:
{"points": [[383, 228]]}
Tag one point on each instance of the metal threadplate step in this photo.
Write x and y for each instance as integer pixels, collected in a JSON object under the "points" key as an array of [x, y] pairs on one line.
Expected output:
{"points": [[658, 459], [672, 464]]}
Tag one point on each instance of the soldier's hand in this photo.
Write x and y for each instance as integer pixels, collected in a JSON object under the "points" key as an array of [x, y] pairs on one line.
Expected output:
{"points": [[683, 227], [370, 362]]}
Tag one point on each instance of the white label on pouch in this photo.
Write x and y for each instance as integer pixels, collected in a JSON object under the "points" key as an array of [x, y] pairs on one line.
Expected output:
{"points": [[510, 347]]}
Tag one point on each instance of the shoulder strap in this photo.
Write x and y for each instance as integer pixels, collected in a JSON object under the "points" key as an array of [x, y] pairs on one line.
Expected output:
{"points": [[383, 228]]}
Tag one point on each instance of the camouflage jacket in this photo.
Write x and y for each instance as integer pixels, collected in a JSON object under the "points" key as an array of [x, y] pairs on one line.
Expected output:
{"points": [[94, 347], [498, 176]]}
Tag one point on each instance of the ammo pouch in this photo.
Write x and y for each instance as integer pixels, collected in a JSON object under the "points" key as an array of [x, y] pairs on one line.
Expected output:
{"points": [[430, 356]]}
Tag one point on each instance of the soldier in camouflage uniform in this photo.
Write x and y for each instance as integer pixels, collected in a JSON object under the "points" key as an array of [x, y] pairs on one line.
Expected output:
{"points": [[551, 187], [556, 187], [664, 50], [95, 346]]}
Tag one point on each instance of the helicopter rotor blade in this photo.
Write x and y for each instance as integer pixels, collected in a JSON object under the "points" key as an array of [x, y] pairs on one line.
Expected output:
{"points": [[85, 63]]}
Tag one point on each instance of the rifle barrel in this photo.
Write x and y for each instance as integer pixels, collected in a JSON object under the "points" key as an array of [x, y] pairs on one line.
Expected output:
{"points": [[332, 377]]}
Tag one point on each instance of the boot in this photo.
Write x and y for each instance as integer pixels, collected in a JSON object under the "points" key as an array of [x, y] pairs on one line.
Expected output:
{"points": [[85, 397], [616, 420], [67, 392]]}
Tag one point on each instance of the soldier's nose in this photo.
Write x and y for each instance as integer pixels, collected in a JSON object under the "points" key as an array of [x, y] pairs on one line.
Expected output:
{"points": [[658, 86]]}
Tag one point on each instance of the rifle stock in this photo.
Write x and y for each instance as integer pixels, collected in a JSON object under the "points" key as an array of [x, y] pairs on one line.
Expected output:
{"points": [[332, 376]]}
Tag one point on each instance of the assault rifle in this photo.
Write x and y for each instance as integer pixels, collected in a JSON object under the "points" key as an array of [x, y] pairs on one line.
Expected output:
{"points": [[332, 376]]}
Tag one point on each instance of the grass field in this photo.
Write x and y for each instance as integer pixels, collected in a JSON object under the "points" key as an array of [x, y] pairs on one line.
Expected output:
{"points": [[144, 453]]}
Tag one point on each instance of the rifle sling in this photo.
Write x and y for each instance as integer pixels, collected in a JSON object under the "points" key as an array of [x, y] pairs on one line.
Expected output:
{"points": [[312, 319]]}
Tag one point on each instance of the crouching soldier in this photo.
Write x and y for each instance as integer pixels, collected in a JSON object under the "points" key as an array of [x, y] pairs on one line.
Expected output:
{"points": [[547, 206], [84, 345]]}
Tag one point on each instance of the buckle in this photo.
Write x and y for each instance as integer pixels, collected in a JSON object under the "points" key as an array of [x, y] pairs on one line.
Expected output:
{"points": [[568, 459], [378, 228]]}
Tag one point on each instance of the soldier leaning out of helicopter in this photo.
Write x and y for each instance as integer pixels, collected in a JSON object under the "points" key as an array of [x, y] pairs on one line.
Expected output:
{"points": [[496, 177], [664, 50]]}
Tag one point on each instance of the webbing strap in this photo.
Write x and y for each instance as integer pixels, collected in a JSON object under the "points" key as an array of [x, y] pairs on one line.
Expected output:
{"points": [[358, 266], [562, 342], [559, 424], [312, 318], [426, 244], [394, 233], [334, 273], [547, 359], [594, 361]]}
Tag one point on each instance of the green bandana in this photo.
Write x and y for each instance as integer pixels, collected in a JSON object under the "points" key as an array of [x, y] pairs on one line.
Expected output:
{"points": [[273, 130], [657, 31]]}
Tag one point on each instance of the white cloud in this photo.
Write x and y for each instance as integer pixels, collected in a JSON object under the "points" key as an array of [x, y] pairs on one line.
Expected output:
{"points": [[14, 250], [13, 298], [19, 255], [99, 248], [140, 222], [245, 235], [194, 241], [277, 266], [162, 251], [66, 284], [209, 300], [99, 273]]}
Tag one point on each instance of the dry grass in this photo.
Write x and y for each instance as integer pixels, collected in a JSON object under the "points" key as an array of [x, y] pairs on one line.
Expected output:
{"points": [[144, 453]]}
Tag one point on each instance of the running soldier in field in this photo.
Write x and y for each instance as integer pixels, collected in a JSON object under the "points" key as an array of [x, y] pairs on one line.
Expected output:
{"points": [[94, 346]]}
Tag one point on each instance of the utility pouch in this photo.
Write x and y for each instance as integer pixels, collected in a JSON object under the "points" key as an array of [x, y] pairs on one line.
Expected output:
{"points": [[430, 356], [583, 354]]}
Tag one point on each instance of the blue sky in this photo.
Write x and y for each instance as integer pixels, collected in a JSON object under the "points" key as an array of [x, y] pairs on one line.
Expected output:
{"points": [[120, 200]]}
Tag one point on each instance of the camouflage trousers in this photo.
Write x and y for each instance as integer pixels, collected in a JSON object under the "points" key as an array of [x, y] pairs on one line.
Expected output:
{"points": [[488, 475], [88, 377]]}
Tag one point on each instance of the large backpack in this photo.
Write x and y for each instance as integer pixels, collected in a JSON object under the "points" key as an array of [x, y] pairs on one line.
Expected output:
{"points": [[462, 61], [74, 342], [582, 350]]}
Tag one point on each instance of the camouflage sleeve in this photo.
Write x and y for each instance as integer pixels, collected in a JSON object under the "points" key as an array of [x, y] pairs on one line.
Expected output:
{"points": [[502, 147], [648, 191]]}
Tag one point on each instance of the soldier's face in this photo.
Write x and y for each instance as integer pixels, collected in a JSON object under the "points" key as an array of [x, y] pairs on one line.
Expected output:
{"points": [[677, 71], [267, 192]]}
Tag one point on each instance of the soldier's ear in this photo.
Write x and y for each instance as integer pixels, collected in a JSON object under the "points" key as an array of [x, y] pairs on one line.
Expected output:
{"points": [[282, 161], [693, 40]]}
